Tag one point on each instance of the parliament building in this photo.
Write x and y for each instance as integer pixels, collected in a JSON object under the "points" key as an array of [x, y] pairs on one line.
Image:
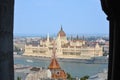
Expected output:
{"points": [[73, 48]]}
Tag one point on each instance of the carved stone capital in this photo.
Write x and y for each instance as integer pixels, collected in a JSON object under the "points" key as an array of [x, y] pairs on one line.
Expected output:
{"points": [[111, 8]]}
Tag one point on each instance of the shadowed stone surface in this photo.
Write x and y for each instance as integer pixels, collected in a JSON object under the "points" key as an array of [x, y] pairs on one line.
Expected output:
{"points": [[112, 9], [6, 39]]}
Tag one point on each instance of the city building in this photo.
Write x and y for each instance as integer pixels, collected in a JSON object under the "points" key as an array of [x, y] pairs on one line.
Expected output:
{"points": [[73, 48]]}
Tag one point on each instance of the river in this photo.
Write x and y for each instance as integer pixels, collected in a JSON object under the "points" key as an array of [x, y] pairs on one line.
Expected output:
{"points": [[74, 68]]}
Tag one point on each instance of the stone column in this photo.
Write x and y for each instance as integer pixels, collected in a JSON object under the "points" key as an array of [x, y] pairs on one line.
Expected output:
{"points": [[111, 9], [6, 39]]}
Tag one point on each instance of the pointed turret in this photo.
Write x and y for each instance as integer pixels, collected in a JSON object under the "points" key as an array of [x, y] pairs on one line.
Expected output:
{"points": [[77, 37], [57, 72], [54, 64], [71, 38], [97, 45], [48, 37], [48, 40], [61, 28]]}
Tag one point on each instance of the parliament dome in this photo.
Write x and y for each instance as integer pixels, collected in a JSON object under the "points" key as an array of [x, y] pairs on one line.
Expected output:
{"points": [[61, 33]]}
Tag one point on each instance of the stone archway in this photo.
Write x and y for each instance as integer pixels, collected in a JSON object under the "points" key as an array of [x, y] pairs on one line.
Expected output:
{"points": [[110, 7]]}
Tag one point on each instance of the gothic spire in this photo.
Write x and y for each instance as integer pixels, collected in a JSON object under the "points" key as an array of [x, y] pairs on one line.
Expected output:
{"points": [[61, 28]]}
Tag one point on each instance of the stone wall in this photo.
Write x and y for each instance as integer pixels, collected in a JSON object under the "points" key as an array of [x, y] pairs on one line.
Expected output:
{"points": [[6, 39]]}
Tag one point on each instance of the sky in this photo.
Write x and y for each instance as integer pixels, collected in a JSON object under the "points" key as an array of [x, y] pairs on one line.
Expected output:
{"points": [[37, 17]]}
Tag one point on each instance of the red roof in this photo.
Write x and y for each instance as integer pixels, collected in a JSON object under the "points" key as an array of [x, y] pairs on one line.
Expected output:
{"points": [[54, 64]]}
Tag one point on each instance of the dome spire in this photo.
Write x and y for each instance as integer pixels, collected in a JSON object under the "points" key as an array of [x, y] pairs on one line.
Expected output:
{"points": [[61, 32], [61, 28]]}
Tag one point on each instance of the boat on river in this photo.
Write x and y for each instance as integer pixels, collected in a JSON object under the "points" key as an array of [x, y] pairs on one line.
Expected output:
{"points": [[28, 60]]}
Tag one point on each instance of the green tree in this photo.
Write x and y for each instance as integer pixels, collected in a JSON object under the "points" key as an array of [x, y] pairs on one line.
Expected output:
{"points": [[18, 78], [84, 77], [69, 77], [16, 49]]}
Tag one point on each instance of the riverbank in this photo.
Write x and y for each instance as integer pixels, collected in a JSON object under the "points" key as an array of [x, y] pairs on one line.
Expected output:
{"points": [[94, 60]]}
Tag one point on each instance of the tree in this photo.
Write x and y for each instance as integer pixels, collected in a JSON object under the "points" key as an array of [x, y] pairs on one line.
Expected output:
{"points": [[18, 78], [84, 77], [69, 77]]}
